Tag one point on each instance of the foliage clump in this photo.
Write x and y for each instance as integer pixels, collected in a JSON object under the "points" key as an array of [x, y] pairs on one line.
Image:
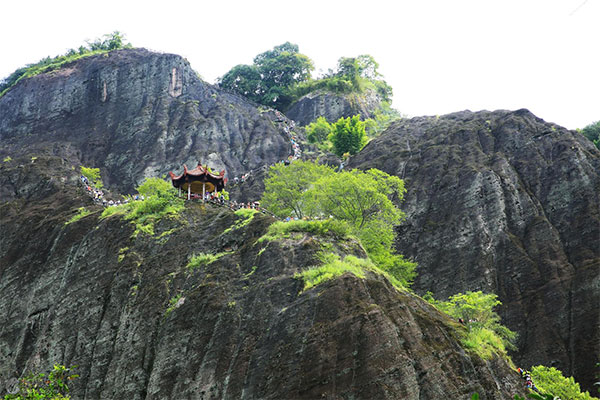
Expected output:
{"points": [[360, 199], [41, 387], [551, 380], [592, 132], [109, 42], [333, 267], [93, 176], [203, 259], [486, 336], [281, 230], [82, 212], [160, 200]]}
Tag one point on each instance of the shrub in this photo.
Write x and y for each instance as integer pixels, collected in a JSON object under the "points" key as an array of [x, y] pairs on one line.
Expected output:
{"points": [[93, 175], [281, 230], [42, 387], [551, 380], [333, 267], [203, 259], [82, 212]]}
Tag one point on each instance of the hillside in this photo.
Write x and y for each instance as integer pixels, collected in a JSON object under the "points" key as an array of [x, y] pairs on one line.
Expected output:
{"points": [[507, 203], [135, 114], [139, 323]]}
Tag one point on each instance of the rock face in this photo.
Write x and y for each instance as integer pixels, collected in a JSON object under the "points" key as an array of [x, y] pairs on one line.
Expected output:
{"points": [[136, 114], [141, 325], [332, 106], [504, 202]]}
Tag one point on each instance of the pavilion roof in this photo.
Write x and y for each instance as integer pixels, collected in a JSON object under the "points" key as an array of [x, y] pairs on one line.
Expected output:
{"points": [[198, 173]]}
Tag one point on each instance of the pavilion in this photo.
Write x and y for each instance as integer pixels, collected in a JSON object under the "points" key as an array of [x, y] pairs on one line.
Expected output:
{"points": [[199, 180]]}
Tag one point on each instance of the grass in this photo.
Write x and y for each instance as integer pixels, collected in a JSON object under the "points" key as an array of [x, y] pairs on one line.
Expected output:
{"points": [[144, 213], [52, 65], [246, 214], [282, 230], [203, 259], [333, 267], [82, 212], [484, 342], [172, 304]]}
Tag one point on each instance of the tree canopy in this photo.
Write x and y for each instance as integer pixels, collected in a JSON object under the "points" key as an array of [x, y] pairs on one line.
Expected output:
{"points": [[592, 132], [348, 136], [269, 79], [362, 199]]}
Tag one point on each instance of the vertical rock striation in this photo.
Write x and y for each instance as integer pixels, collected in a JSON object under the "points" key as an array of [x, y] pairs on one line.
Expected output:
{"points": [[135, 114], [504, 202]]}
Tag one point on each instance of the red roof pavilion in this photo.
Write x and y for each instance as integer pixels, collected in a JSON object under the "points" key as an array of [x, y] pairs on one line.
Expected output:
{"points": [[199, 180]]}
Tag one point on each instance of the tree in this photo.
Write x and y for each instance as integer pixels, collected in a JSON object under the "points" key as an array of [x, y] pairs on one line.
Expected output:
{"points": [[348, 135], [551, 380], [363, 200], [285, 186], [269, 79], [592, 132], [245, 80], [93, 175], [318, 131]]}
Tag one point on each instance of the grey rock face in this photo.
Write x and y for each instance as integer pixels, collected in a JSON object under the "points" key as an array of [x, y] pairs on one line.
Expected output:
{"points": [[136, 114], [141, 325], [332, 106], [504, 202]]}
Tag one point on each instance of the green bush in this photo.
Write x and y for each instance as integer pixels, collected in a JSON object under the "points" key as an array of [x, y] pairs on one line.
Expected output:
{"points": [[82, 212], [348, 135], [318, 131], [41, 387], [280, 230], [110, 42], [93, 176], [333, 267], [203, 259], [551, 380]]}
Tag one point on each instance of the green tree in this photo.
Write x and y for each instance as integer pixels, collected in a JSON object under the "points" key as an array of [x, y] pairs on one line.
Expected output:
{"points": [[269, 79], [364, 200], [93, 175], [318, 131], [592, 132], [348, 135], [551, 380], [477, 310], [245, 80], [285, 186]]}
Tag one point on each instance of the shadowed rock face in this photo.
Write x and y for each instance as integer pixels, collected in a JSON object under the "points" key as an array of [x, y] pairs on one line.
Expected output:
{"points": [[507, 203], [332, 106], [140, 325], [136, 114]]}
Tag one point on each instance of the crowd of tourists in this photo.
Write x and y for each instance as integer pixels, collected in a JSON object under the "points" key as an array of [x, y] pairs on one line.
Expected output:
{"points": [[526, 376]]}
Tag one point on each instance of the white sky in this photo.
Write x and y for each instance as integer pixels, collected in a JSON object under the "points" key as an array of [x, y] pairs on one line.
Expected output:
{"points": [[439, 56]]}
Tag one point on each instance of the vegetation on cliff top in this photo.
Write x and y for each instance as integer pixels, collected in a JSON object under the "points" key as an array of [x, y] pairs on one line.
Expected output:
{"points": [[109, 42], [280, 76], [592, 132]]}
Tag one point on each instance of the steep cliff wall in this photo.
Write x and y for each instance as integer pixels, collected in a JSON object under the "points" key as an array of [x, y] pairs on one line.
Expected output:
{"points": [[506, 203], [135, 114], [140, 325], [333, 106]]}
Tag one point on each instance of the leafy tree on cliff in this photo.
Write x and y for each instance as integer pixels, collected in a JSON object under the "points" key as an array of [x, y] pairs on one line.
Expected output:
{"points": [[318, 131], [592, 132], [269, 79], [348, 135], [551, 380], [363, 200]]}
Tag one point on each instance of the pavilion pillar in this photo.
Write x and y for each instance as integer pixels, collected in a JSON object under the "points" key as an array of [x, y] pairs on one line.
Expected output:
{"points": [[179, 188], [189, 190], [203, 191]]}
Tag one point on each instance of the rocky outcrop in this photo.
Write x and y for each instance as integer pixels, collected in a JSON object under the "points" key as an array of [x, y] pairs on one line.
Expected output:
{"points": [[507, 203], [333, 106], [134, 114], [141, 325]]}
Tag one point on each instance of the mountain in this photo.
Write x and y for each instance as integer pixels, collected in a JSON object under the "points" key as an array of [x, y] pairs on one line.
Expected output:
{"points": [[141, 324], [505, 202], [135, 114]]}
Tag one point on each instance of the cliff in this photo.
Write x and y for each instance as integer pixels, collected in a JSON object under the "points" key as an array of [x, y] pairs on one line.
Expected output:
{"points": [[141, 325], [504, 202], [134, 114], [333, 106]]}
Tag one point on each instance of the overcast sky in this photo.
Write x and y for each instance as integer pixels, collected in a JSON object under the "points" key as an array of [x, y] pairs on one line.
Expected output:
{"points": [[439, 56]]}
